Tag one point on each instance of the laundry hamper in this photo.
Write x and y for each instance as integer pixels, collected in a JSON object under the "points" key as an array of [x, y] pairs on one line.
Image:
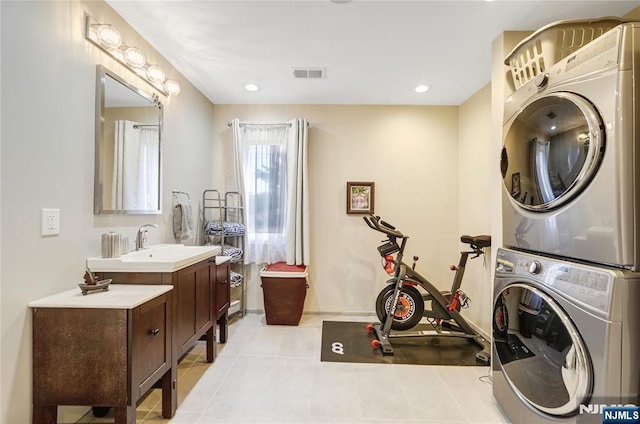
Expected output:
{"points": [[553, 42], [284, 289]]}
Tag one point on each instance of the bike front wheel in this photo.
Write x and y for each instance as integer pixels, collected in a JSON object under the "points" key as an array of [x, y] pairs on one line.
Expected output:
{"points": [[408, 311]]}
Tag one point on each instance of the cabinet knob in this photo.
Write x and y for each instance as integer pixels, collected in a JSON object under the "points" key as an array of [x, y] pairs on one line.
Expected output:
{"points": [[224, 281], [155, 331]]}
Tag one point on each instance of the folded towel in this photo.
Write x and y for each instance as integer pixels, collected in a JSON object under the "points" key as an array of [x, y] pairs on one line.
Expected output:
{"points": [[215, 228], [182, 220]]}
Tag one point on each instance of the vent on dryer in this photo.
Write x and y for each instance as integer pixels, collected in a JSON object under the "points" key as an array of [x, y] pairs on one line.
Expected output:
{"points": [[308, 73]]}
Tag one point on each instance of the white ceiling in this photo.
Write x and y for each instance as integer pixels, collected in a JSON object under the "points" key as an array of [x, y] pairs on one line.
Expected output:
{"points": [[374, 52]]}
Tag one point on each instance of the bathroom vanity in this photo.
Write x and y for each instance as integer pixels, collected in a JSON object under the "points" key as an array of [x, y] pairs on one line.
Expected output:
{"points": [[201, 290], [107, 348]]}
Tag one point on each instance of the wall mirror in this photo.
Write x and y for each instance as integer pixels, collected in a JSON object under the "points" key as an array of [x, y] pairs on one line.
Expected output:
{"points": [[128, 162]]}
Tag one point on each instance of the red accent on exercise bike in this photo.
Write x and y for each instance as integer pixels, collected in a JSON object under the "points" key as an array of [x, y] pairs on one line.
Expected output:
{"points": [[388, 264], [454, 302]]}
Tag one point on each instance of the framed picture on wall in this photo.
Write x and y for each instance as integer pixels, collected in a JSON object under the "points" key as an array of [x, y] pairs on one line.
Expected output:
{"points": [[515, 184], [360, 197]]}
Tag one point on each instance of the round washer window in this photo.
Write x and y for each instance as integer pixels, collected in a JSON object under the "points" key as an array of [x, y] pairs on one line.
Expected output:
{"points": [[552, 150], [541, 353]]}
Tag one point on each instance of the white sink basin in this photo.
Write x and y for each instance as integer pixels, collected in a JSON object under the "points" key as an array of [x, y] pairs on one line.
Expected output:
{"points": [[156, 258]]}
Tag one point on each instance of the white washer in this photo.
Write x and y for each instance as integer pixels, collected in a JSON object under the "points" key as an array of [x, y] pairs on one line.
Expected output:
{"points": [[566, 338], [571, 155]]}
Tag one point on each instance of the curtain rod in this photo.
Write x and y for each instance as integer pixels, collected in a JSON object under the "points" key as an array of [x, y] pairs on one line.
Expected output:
{"points": [[145, 125], [244, 124]]}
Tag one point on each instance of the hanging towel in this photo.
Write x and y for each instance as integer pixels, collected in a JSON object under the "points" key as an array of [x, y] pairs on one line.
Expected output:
{"points": [[182, 220]]}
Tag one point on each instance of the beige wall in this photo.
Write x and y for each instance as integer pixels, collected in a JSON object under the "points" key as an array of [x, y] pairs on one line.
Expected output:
{"points": [[48, 101], [476, 211], [410, 152]]}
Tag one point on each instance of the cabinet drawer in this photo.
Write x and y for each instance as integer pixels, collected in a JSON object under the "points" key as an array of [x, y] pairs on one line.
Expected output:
{"points": [[150, 338]]}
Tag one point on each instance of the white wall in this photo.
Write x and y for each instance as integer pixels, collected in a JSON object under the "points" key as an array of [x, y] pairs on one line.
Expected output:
{"points": [[48, 102], [410, 152]]}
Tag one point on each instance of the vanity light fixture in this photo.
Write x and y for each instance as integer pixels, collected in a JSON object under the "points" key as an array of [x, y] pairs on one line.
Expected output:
{"points": [[422, 88], [108, 38]]}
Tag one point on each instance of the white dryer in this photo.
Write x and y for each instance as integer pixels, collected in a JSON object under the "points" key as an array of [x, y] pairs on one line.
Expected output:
{"points": [[566, 339], [571, 156]]}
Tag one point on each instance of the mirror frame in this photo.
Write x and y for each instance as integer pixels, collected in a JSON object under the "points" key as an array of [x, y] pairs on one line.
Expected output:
{"points": [[98, 206]]}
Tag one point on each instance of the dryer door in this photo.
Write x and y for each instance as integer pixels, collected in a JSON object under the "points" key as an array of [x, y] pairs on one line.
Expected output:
{"points": [[552, 149], [540, 352]]}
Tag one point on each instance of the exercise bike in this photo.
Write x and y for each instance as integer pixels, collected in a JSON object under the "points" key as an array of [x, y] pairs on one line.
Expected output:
{"points": [[441, 308]]}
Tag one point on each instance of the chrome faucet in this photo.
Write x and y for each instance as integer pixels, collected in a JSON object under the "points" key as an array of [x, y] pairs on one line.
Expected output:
{"points": [[141, 236]]}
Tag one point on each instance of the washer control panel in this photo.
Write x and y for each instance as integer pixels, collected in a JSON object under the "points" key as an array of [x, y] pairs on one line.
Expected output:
{"points": [[586, 285], [589, 285]]}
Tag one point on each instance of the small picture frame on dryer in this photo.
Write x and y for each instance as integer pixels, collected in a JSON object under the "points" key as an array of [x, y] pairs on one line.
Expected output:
{"points": [[515, 184]]}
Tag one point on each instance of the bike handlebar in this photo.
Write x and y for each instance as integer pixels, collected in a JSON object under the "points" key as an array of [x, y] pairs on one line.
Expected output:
{"points": [[374, 222]]}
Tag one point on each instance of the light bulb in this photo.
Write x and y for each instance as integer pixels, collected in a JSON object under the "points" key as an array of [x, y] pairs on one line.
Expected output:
{"points": [[251, 87], [172, 87], [155, 74], [109, 36], [422, 88], [134, 57]]}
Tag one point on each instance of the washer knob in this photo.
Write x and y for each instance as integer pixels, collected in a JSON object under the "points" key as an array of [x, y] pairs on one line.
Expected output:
{"points": [[542, 80], [534, 267]]}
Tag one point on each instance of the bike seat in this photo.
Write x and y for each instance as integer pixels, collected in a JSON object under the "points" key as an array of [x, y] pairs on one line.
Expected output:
{"points": [[477, 241]]}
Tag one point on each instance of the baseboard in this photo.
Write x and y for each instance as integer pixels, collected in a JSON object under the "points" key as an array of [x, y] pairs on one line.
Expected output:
{"points": [[355, 314]]}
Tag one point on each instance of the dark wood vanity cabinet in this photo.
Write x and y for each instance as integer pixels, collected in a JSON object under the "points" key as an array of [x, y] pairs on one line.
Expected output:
{"points": [[102, 355], [201, 297]]}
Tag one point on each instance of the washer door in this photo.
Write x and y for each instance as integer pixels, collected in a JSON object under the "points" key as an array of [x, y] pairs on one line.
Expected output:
{"points": [[540, 352], [552, 149]]}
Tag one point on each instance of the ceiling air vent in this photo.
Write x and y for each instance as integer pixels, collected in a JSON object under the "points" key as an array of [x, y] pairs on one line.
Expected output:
{"points": [[308, 73]]}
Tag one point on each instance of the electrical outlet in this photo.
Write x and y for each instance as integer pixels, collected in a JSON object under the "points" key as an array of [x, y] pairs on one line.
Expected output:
{"points": [[50, 225]]}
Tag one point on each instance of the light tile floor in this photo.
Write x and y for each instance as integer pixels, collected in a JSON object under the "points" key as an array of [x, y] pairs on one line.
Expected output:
{"points": [[273, 374]]}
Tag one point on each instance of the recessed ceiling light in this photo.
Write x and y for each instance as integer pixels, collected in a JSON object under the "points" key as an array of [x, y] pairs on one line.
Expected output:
{"points": [[423, 88], [251, 87]]}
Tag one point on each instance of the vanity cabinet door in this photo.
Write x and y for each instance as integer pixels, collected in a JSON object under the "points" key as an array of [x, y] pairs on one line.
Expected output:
{"points": [[150, 340], [196, 300]]}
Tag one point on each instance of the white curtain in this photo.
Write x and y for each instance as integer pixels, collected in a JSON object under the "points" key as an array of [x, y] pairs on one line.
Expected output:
{"points": [[271, 172], [135, 167], [297, 228]]}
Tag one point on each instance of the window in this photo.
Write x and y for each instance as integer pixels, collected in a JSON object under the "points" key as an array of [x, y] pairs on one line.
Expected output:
{"points": [[265, 184]]}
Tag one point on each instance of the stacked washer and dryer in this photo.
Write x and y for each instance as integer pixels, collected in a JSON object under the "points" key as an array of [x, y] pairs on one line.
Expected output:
{"points": [[566, 324]]}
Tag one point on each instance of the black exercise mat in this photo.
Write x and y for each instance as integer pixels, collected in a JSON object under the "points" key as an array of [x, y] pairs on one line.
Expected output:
{"points": [[512, 349], [350, 342]]}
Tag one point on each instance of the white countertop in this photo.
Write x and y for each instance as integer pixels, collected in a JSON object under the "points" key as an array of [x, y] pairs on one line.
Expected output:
{"points": [[155, 258], [119, 296]]}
